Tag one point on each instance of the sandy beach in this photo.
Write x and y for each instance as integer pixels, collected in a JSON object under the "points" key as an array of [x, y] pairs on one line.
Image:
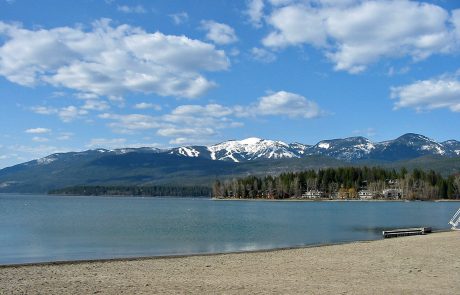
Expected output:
{"points": [[411, 265]]}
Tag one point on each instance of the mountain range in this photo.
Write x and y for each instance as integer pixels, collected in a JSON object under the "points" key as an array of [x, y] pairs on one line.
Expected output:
{"points": [[203, 164], [350, 149]]}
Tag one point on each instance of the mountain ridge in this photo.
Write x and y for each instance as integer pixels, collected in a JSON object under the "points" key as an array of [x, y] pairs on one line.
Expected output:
{"points": [[410, 145], [203, 164], [406, 146]]}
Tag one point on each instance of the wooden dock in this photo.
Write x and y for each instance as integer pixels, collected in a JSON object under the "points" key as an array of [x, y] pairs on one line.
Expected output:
{"points": [[406, 232]]}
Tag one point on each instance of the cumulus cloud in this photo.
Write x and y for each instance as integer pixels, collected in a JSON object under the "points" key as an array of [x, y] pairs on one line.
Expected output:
{"points": [[39, 139], [66, 114], [193, 132], [106, 143], [354, 34], [368, 132], [199, 124], [65, 136], [131, 9], [146, 105], [33, 152], [38, 130], [219, 33], [255, 12], [130, 123], [286, 104], [179, 18], [108, 60], [296, 25], [431, 94], [262, 55], [95, 105]]}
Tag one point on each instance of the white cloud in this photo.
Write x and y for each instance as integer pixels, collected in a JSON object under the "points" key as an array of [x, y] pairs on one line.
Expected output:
{"points": [[392, 71], [39, 139], [83, 95], [198, 124], [263, 55], [368, 132], [95, 105], [106, 143], [131, 9], [131, 122], [175, 132], [65, 136], [179, 18], [296, 25], [146, 105], [71, 113], [210, 110], [38, 130], [42, 110], [109, 61], [431, 94], [354, 34], [286, 104], [37, 151], [255, 12], [219, 33], [66, 114]]}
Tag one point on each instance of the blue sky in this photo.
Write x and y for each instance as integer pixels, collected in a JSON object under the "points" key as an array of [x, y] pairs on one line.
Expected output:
{"points": [[78, 75]]}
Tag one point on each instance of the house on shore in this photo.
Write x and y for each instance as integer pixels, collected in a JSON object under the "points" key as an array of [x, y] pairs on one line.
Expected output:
{"points": [[367, 194], [392, 193], [313, 194]]}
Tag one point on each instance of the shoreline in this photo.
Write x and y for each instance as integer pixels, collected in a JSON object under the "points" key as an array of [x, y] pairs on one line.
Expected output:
{"points": [[173, 256], [330, 200], [426, 264]]}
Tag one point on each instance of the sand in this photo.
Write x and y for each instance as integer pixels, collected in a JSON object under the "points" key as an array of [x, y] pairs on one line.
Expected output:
{"points": [[411, 265]]}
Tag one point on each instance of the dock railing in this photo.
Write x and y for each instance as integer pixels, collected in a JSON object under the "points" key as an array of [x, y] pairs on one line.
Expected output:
{"points": [[455, 220]]}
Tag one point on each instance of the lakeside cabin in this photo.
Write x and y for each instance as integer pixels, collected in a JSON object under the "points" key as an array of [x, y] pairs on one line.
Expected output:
{"points": [[313, 194], [367, 194], [392, 193]]}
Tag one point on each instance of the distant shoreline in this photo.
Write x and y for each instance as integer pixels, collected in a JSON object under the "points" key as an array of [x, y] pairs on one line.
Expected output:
{"points": [[328, 200]]}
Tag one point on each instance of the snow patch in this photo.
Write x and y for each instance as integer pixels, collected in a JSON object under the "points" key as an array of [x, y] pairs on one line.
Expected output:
{"points": [[324, 145], [46, 160], [189, 152], [250, 141]]}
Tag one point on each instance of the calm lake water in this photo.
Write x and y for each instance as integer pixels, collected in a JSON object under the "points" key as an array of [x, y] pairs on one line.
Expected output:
{"points": [[48, 228]]}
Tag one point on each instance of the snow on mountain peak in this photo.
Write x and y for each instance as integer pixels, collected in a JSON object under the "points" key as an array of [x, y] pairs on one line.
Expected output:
{"points": [[46, 160], [250, 141], [250, 149], [349, 149]]}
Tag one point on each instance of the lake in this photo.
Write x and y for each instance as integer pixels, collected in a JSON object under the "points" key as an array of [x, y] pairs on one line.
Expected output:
{"points": [[35, 228]]}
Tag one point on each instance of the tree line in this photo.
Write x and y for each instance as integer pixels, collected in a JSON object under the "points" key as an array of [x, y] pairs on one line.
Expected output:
{"points": [[157, 191], [343, 182]]}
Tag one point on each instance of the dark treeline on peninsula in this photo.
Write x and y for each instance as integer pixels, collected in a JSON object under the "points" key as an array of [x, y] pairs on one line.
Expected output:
{"points": [[156, 191], [344, 183]]}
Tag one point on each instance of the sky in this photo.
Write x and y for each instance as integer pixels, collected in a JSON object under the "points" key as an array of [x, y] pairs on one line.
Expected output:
{"points": [[78, 75]]}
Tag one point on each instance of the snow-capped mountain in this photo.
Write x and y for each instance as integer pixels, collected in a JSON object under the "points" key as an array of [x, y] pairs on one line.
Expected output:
{"points": [[453, 146], [200, 164], [350, 149], [254, 148], [407, 146], [244, 150]]}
